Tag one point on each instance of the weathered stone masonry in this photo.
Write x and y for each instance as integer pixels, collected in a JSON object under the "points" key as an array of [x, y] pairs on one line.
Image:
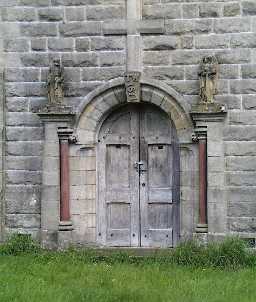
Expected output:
{"points": [[33, 32]]}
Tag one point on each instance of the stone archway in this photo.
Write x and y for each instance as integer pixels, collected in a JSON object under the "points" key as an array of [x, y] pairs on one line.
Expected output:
{"points": [[100, 102], [84, 156]]}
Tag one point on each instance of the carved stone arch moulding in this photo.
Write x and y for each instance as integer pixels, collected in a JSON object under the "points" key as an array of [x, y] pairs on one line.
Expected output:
{"points": [[106, 99], [99, 103]]}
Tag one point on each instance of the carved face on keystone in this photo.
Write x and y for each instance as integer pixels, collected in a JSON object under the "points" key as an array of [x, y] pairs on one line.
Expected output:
{"points": [[56, 62], [209, 60]]}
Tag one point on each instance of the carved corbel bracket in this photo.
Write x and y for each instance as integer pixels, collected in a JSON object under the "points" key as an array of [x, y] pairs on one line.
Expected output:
{"points": [[73, 139], [194, 138]]}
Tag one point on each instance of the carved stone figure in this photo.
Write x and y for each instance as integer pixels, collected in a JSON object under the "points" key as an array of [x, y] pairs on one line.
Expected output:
{"points": [[132, 85], [208, 73], [55, 83]]}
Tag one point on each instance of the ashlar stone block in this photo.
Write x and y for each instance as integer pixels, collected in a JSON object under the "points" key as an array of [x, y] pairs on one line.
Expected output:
{"points": [[23, 220]]}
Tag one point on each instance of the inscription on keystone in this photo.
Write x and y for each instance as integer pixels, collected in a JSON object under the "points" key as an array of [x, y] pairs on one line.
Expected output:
{"points": [[132, 86]]}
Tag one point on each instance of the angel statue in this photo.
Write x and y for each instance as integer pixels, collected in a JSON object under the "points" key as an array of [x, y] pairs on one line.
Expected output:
{"points": [[55, 83], [208, 73]]}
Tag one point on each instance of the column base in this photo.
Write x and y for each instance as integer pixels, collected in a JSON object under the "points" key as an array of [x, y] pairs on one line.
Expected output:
{"points": [[201, 238], [49, 239], [65, 226], [65, 235], [201, 228]]}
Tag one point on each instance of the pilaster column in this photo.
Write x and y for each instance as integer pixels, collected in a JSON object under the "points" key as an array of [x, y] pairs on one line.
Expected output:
{"points": [[56, 228], [65, 221], [201, 138], [208, 127]]}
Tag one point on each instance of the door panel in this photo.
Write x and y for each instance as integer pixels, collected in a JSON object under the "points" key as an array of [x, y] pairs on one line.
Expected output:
{"points": [[159, 168], [119, 223], [156, 183], [118, 194], [118, 159], [137, 205]]}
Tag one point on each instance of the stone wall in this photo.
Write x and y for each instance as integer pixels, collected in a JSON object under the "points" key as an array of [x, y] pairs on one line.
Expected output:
{"points": [[83, 191], [35, 31]]}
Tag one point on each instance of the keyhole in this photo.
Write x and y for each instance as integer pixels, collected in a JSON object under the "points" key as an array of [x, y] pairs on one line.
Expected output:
{"points": [[143, 184]]}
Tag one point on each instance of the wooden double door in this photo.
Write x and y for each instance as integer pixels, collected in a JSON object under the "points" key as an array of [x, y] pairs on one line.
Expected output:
{"points": [[138, 179]]}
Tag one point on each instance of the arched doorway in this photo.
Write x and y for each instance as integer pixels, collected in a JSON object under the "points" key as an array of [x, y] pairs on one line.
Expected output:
{"points": [[138, 178]]}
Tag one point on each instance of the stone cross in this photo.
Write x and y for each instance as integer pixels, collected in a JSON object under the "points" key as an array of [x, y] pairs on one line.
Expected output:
{"points": [[133, 27]]}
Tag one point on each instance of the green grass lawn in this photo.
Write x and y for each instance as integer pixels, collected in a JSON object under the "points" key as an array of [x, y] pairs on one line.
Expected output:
{"points": [[61, 279]]}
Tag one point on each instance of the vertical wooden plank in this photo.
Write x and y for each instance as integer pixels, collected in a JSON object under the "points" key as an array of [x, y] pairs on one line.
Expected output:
{"points": [[134, 175], [176, 186], [101, 188]]}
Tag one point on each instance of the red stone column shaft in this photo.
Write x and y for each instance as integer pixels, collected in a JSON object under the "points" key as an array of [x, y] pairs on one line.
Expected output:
{"points": [[64, 180], [202, 181]]}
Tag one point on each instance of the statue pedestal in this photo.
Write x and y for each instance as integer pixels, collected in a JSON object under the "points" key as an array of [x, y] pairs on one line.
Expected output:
{"points": [[203, 107]]}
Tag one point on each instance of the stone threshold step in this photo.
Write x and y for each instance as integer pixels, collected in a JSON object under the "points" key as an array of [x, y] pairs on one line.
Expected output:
{"points": [[130, 251]]}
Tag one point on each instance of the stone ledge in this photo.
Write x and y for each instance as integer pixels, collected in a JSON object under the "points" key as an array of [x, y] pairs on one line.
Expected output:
{"points": [[52, 113], [208, 112]]}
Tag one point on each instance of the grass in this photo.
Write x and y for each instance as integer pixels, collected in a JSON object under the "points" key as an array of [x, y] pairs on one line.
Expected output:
{"points": [[59, 279], [190, 273]]}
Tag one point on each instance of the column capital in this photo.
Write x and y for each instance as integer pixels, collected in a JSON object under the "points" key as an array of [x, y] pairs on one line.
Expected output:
{"points": [[202, 119], [66, 134], [199, 136]]}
